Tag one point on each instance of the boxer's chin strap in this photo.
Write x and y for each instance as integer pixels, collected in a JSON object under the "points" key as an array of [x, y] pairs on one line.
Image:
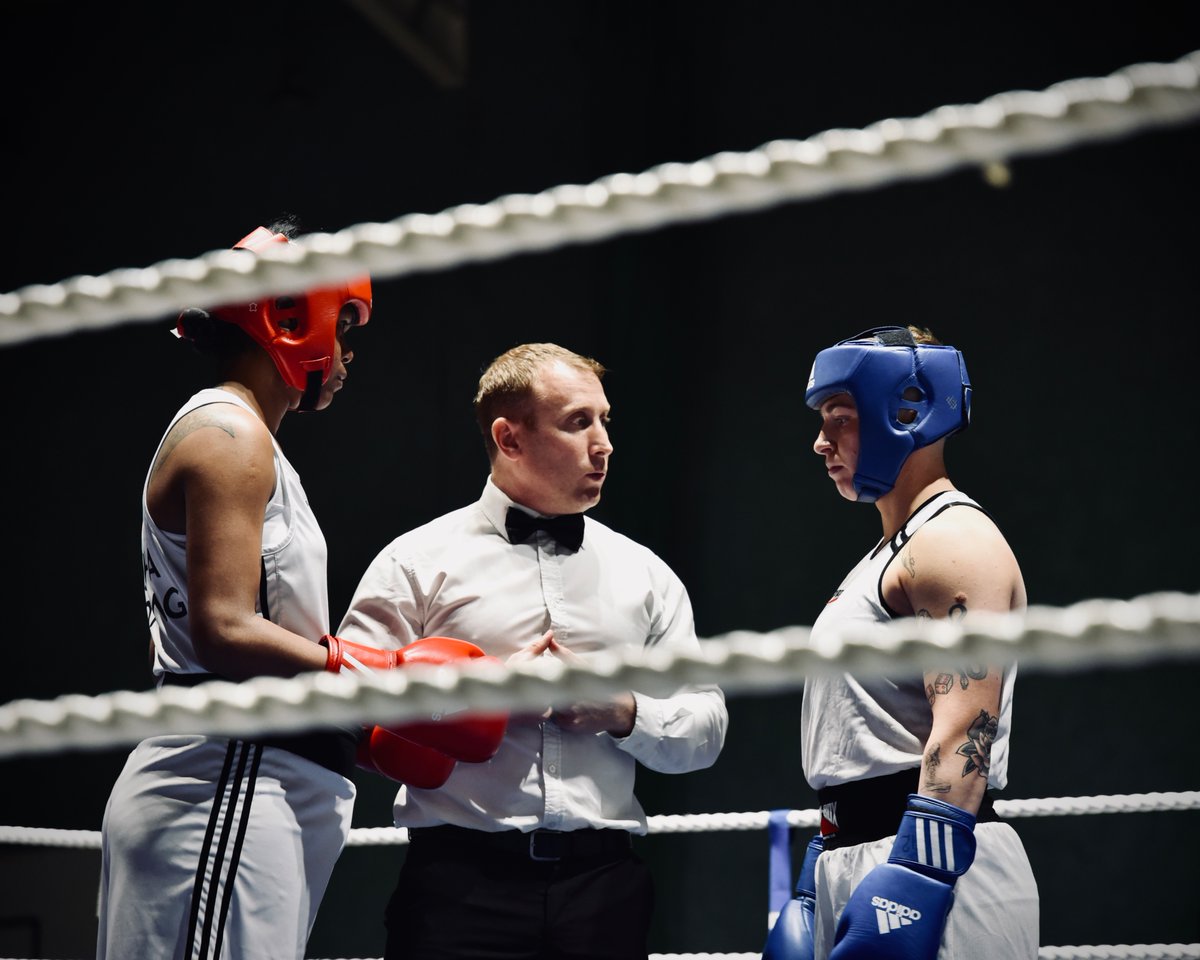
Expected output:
{"points": [[312, 393]]}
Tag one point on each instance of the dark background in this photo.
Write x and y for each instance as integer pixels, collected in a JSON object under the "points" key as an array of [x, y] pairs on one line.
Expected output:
{"points": [[139, 132]]}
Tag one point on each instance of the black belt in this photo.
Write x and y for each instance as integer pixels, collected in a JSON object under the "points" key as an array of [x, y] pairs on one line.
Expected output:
{"points": [[871, 809], [538, 845], [332, 749]]}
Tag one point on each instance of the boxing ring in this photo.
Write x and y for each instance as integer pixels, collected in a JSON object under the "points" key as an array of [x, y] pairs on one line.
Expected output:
{"points": [[1151, 629]]}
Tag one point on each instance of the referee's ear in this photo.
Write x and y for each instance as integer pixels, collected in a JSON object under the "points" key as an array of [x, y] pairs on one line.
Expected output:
{"points": [[506, 437]]}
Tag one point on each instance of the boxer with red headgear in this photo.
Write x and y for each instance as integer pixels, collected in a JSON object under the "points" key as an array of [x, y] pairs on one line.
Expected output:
{"points": [[235, 587], [298, 330]]}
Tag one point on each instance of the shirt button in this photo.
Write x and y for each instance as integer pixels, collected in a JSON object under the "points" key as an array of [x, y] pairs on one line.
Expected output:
{"points": [[553, 768]]}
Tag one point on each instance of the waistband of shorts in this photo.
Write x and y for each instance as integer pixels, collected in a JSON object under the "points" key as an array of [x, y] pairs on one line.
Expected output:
{"points": [[536, 845], [865, 810], [332, 749]]}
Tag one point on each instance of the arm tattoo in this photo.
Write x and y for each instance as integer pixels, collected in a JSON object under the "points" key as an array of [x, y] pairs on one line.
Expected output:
{"points": [[957, 610], [974, 671], [910, 563], [978, 748], [933, 760], [198, 421], [188, 425], [943, 683]]}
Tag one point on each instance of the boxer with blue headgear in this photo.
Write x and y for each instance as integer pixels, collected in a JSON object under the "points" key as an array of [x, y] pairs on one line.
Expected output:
{"points": [[908, 395], [912, 862]]}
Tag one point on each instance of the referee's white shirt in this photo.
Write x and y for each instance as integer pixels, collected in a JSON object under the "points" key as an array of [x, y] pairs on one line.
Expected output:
{"points": [[458, 576]]}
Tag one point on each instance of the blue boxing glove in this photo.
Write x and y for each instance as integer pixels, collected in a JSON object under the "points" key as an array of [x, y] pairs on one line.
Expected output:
{"points": [[899, 909], [791, 937]]}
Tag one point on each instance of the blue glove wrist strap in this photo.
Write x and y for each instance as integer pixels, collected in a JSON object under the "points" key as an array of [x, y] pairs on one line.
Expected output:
{"points": [[935, 838]]}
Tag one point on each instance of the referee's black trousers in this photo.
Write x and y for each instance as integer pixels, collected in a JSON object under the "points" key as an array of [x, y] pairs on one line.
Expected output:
{"points": [[468, 895]]}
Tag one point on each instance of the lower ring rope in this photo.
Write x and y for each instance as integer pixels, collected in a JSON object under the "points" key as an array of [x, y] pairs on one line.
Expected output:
{"points": [[1138, 951], [707, 822]]}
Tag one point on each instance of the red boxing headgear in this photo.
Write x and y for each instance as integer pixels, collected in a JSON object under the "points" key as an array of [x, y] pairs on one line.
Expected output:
{"points": [[298, 330]]}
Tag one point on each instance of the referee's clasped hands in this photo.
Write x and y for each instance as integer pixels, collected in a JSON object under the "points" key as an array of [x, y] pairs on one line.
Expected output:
{"points": [[615, 717]]}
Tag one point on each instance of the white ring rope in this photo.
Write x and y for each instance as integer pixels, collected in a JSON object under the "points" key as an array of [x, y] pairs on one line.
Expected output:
{"points": [[1121, 951], [704, 822], [1138, 97], [1094, 632], [1137, 951]]}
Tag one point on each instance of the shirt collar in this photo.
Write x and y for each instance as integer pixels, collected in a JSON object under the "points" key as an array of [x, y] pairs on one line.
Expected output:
{"points": [[494, 503]]}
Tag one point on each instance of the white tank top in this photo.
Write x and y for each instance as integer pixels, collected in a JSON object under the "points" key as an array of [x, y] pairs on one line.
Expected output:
{"points": [[852, 729], [293, 590]]}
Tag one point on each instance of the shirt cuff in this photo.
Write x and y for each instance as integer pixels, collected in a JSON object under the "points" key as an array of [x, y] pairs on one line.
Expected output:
{"points": [[648, 723]]}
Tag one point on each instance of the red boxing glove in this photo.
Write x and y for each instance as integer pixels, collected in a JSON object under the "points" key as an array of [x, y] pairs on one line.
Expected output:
{"points": [[471, 737], [399, 759], [354, 656], [433, 651]]}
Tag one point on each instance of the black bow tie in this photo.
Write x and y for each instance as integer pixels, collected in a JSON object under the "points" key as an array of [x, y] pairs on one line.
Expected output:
{"points": [[567, 529]]}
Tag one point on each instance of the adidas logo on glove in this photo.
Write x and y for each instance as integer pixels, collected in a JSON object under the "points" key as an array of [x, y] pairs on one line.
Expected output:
{"points": [[891, 915], [911, 894]]}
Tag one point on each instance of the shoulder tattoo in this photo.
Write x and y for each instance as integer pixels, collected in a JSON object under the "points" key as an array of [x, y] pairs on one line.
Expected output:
{"points": [[196, 420]]}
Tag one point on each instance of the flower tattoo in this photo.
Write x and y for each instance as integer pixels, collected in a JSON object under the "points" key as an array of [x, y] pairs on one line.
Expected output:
{"points": [[978, 748]]}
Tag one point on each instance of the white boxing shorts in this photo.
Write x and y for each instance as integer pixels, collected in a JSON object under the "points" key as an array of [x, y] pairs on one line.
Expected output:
{"points": [[995, 912], [216, 848]]}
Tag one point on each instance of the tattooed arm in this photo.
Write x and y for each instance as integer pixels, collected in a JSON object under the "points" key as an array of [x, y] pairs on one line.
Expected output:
{"points": [[957, 758], [956, 564]]}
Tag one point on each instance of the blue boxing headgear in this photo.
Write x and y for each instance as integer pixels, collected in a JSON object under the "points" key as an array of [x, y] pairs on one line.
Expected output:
{"points": [[876, 367]]}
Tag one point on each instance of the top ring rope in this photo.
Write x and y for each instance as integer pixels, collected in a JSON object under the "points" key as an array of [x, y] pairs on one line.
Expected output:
{"points": [[1006, 125], [1094, 632]]}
